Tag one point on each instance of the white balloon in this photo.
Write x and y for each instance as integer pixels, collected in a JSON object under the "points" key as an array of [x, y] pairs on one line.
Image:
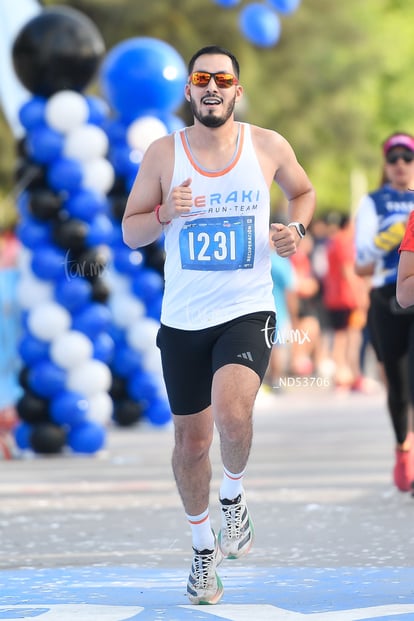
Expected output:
{"points": [[71, 349], [98, 175], [142, 132], [142, 334], [86, 142], [24, 260], [48, 320], [32, 291], [101, 408], [126, 309], [66, 110], [117, 283], [152, 360], [89, 378]]}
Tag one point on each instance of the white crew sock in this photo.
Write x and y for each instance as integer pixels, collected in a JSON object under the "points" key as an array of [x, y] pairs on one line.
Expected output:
{"points": [[203, 538], [231, 485]]}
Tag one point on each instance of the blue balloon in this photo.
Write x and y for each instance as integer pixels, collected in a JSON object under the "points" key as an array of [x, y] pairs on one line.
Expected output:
{"points": [[141, 75], [172, 122], [73, 293], [260, 24], [92, 319], [120, 158], [116, 130], [32, 112], [88, 437], [285, 6], [22, 434], [117, 335], [33, 233], [129, 182], [100, 231], [154, 307], [69, 408], [44, 144], [147, 284], [227, 3], [127, 261], [103, 347], [46, 379], [23, 204], [65, 174], [32, 350], [158, 412], [86, 205], [49, 262], [126, 360], [98, 110], [142, 386], [117, 238]]}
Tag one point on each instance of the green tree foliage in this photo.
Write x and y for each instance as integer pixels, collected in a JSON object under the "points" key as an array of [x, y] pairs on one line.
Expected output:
{"points": [[336, 84]]}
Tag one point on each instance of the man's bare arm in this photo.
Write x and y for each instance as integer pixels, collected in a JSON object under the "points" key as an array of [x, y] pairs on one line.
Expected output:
{"points": [[140, 225]]}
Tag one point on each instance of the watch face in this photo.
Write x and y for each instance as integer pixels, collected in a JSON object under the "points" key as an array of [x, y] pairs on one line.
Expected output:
{"points": [[302, 229]]}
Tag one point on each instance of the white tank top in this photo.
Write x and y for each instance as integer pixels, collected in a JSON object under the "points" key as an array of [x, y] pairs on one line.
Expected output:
{"points": [[217, 263]]}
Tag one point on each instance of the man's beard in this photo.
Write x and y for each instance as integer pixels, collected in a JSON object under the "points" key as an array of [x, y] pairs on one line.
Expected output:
{"points": [[211, 120]]}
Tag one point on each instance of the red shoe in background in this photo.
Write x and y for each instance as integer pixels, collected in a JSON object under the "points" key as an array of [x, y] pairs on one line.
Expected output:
{"points": [[403, 470]]}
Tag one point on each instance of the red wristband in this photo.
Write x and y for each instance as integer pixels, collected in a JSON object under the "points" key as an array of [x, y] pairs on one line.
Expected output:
{"points": [[157, 215]]}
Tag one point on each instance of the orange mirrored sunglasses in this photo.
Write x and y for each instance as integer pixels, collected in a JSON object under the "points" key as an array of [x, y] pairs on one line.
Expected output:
{"points": [[222, 79]]}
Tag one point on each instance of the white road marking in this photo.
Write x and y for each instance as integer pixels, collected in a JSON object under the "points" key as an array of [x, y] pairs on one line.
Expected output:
{"points": [[229, 612], [272, 613], [67, 612]]}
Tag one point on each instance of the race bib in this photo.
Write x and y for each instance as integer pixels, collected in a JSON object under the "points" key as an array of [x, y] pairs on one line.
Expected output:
{"points": [[218, 243]]}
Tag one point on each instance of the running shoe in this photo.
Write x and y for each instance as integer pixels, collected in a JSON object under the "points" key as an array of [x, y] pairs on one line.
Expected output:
{"points": [[403, 470], [236, 534], [204, 585]]}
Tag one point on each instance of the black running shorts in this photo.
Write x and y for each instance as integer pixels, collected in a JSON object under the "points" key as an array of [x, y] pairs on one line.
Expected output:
{"points": [[191, 357]]}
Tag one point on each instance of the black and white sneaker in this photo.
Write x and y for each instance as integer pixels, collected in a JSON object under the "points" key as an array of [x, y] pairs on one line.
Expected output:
{"points": [[204, 585], [237, 532]]}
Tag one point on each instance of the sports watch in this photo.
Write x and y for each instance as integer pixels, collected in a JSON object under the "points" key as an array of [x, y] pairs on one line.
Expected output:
{"points": [[299, 227]]}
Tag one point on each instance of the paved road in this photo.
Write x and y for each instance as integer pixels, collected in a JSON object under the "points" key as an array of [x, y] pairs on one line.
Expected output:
{"points": [[104, 537]]}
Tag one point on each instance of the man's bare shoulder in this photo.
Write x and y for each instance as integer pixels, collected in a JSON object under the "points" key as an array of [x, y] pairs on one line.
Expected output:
{"points": [[158, 160], [161, 147]]}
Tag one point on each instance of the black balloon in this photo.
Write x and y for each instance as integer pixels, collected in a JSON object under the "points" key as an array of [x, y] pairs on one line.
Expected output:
{"points": [[119, 388], [58, 49], [91, 264], [32, 409], [44, 204], [118, 203], [100, 290], [71, 235], [118, 187], [155, 257], [127, 413], [47, 438], [30, 176], [23, 377]]}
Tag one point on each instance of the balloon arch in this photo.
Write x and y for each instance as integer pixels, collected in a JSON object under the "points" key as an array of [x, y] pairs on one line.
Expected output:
{"points": [[90, 305]]}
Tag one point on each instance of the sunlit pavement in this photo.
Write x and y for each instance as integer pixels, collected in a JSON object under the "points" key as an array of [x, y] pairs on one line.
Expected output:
{"points": [[104, 537]]}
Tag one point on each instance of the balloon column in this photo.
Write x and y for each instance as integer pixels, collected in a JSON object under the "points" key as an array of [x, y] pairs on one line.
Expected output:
{"points": [[143, 81], [66, 231], [259, 22]]}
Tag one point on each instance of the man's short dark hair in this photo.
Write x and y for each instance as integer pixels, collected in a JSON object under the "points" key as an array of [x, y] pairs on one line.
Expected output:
{"points": [[215, 49]]}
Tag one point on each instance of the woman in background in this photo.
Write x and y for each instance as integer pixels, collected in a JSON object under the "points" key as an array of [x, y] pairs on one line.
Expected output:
{"points": [[379, 229]]}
